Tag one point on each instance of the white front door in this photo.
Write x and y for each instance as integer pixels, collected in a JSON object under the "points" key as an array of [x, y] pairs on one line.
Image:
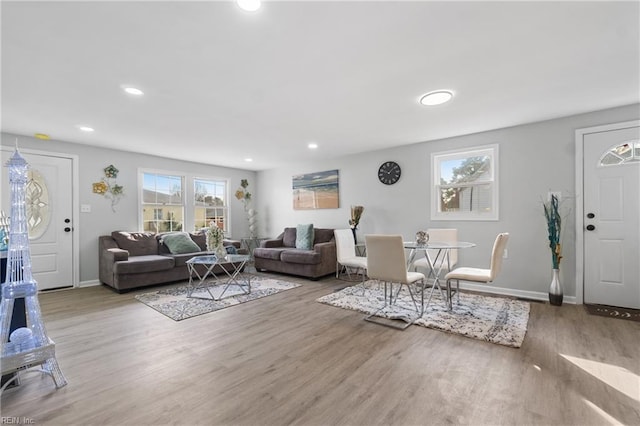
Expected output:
{"points": [[612, 217], [49, 207]]}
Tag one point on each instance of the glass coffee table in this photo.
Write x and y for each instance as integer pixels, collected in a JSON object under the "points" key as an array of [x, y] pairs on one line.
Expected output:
{"points": [[202, 275]]}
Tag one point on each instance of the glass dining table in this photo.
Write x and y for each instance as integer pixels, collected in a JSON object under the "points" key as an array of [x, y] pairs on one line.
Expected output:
{"points": [[438, 256]]}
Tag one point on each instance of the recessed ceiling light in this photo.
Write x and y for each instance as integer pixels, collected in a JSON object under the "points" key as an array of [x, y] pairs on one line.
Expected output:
{"points": [[312, 145], [249, 5], [248, 160], [85, 128], [132, 90], [436, 97]]}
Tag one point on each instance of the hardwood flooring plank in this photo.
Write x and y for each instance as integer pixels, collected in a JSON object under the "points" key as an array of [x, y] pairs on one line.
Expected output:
{"points": [[288, 360]]}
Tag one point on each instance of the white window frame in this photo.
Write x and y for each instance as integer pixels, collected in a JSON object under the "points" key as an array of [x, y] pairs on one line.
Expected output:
{"points": [[188, 197], [437, 158], [141, 203], [225, 207]]}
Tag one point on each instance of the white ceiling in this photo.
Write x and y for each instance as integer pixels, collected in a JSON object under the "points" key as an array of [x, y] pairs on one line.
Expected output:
{"points": [[222, 84]]}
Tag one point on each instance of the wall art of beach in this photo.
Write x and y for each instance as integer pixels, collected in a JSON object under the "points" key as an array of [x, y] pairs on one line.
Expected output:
{"points": [[316, 190]]}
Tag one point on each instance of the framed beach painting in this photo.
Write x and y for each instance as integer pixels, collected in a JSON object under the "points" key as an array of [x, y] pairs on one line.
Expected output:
{"points": [[316, 190]]}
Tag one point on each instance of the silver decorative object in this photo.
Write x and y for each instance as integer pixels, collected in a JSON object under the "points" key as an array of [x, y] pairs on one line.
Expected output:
{"points": [[29, 346], [422, 238]]}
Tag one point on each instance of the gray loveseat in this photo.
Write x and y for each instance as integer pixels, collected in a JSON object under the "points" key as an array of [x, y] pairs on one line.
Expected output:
{"points": [[281, 255], [130, 260]]}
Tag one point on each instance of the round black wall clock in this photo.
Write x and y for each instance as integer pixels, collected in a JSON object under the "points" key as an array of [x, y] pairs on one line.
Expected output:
{"points": [[389, 172]]}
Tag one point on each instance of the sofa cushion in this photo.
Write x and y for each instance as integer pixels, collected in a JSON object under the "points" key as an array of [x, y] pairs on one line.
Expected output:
{"points": [[289, 237], [323, 235], [306, 257], [143, 264], [304, 236], [268, 253], [179, 243], [136, 243], [200, 239], [181, 259]]}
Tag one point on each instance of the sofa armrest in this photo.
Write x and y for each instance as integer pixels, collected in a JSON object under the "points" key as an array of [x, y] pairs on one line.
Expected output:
{"points": [[275, 242], [116, 255], [326, 249]]}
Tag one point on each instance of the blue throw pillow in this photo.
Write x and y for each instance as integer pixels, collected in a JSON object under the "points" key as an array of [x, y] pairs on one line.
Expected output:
{"points": [[231, 250], [304, 237]]}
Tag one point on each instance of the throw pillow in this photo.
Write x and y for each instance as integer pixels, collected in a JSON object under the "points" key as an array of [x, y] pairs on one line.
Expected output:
{"points": [[231, 250], [304, 237], [179, 243]]}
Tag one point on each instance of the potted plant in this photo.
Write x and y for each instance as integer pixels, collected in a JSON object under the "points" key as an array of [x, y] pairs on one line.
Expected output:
{"points": [[554, 229]]}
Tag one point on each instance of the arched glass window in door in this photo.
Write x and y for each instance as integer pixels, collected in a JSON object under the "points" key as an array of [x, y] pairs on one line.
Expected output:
{"points": [[38, 205], [628, 152]]}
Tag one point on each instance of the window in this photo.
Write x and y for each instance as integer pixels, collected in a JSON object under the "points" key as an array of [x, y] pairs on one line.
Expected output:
{"points": [[162, 205], [176, 202], [210, 203], [465, 184], [628, 152]]}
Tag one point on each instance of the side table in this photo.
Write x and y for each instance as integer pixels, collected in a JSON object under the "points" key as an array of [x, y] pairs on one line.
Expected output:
{"points": [[251, 243], [19, 318]]}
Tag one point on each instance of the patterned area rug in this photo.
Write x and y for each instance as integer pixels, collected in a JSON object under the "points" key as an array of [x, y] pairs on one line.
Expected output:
{"points": [[174, 303], [492, 319], [614, 312]]}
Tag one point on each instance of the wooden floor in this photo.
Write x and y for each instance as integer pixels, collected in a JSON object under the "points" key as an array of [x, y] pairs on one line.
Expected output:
{"points": [[287, 359]]}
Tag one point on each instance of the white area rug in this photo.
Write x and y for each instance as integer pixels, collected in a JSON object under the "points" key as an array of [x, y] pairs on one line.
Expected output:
{"points": [[174, 303], [493, 319]]}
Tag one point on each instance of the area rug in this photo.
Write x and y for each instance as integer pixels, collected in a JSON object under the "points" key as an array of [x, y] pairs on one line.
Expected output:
{"points": [[492, 319], [614, 312], [174, 303]]}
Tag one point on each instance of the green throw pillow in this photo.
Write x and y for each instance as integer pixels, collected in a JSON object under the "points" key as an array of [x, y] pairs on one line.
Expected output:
{"points": [[179, 243], [304, 237]]}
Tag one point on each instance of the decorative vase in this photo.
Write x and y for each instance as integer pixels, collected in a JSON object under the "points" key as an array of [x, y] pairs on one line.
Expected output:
{"points": [[253, 223], [555, 289], [220, 252], [355, 238]]}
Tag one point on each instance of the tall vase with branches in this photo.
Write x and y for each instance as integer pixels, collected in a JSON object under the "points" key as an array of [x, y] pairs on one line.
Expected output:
{"points": [[356, 214], [554, 229], [244, 195]]}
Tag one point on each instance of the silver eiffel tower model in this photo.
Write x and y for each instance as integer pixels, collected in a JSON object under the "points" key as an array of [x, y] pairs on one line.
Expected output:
{"points": [[29, 346]]}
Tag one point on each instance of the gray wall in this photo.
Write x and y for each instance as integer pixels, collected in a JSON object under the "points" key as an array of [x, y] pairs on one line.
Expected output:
{"points": [[102, 220], [534, 159]]}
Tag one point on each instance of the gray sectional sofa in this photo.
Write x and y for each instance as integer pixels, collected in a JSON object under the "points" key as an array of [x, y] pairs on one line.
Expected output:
{"points": [[129, 260], [281, 255]]}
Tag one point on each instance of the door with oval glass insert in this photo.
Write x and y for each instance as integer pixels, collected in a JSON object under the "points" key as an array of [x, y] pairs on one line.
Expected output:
{"points": [[612, 217], [49, 209]]}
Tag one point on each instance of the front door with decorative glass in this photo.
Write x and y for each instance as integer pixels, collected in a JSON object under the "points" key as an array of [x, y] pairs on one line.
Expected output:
{"points": [[612, 217], [49, 197]]}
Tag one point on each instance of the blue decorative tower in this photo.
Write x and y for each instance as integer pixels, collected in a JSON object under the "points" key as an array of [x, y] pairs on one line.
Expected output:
{"points": [[28, 346]]}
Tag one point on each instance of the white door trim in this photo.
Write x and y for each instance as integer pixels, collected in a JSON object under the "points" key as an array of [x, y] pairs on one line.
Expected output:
{"points": [[75, 197], [579, 218]]}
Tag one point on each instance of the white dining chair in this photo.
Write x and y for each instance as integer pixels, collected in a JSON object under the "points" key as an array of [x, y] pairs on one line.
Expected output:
{"points": [[346, 258], [387, 263], [478, 274]]}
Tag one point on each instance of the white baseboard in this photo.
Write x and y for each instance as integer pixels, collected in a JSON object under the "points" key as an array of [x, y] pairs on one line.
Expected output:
{"points": [[523, 294], [90, 283]]}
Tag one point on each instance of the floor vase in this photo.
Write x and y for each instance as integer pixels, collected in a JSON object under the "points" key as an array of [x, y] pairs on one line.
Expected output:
{"points": [[555, 289]]}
